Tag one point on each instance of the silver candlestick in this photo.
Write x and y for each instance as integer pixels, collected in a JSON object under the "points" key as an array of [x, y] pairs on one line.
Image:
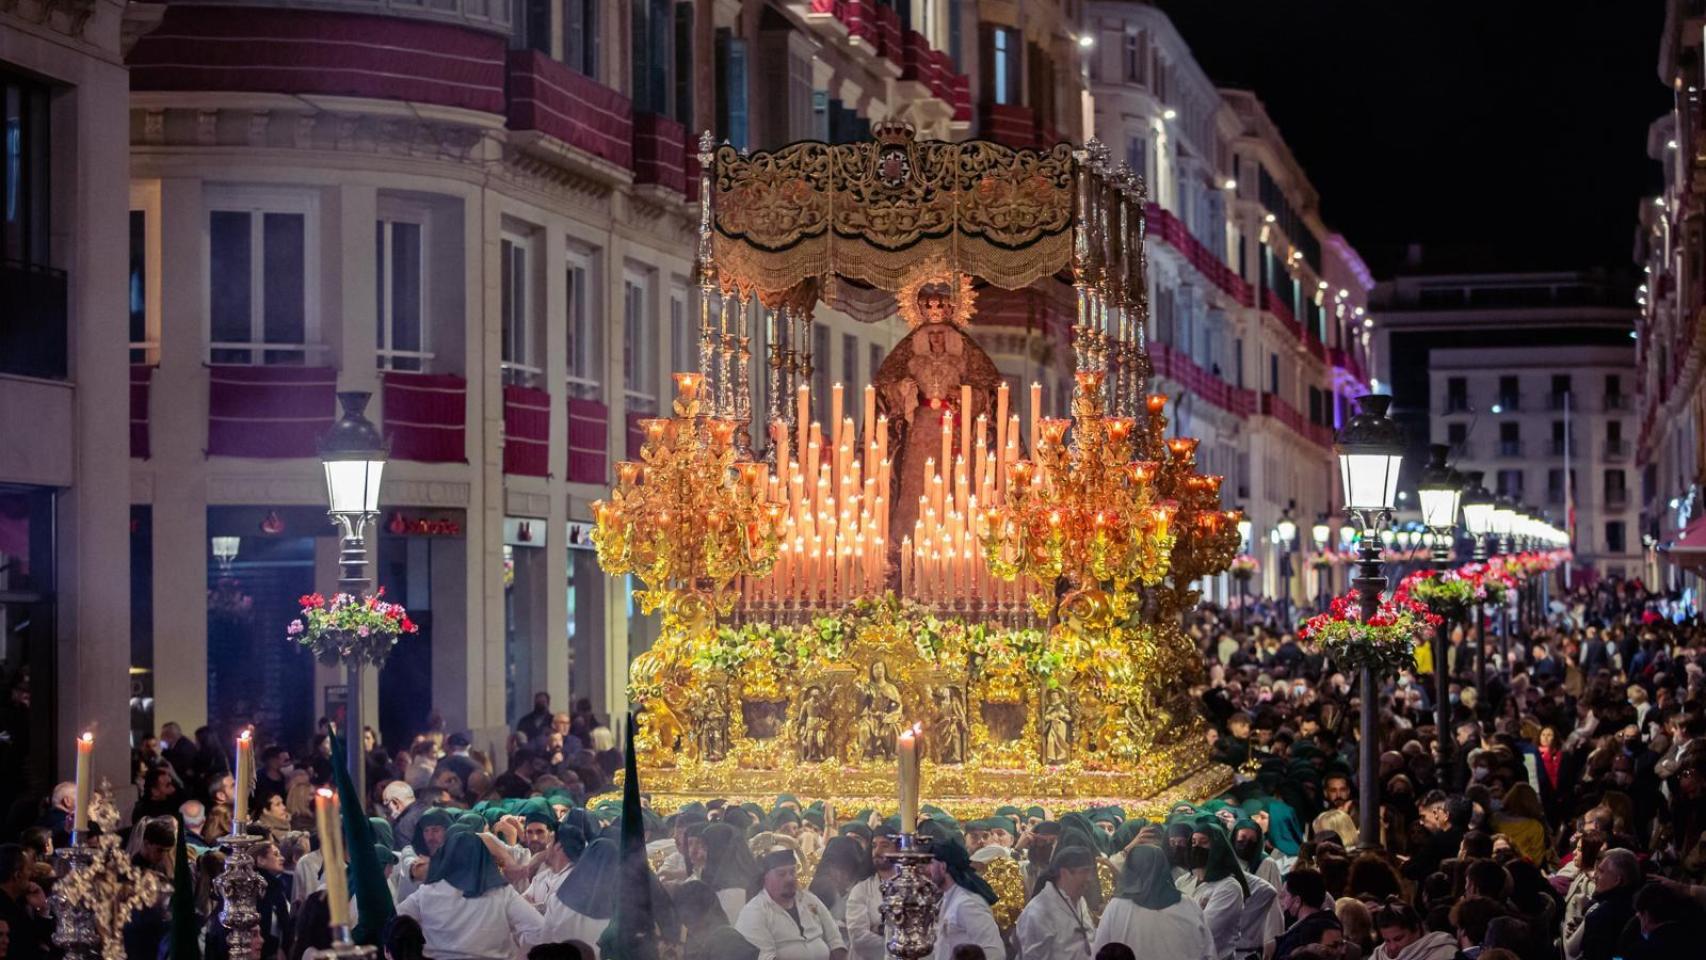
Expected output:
{"points": [[240, 891], [910, 899], [344, 947], [74, 926]]}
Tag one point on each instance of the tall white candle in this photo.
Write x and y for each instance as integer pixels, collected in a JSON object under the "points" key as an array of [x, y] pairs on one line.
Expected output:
{"points": [[80, 811]]}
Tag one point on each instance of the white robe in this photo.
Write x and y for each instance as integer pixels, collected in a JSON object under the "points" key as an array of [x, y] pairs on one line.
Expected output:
{"points": [[733, 900], [562, 924], [1262, 920], [964, 917], [1050, 928], [1222, 903], [1176, 933], [486, 927], [865, 937], [309, 876], [542, 889], [767, 925]]}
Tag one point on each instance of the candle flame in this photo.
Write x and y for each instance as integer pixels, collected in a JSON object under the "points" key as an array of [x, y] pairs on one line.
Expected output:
{"points": [[88, 736], [245, 735], [325, 792]]}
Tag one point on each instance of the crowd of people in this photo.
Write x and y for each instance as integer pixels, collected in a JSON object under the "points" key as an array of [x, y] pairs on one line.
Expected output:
{"points": [[1561, 815]]}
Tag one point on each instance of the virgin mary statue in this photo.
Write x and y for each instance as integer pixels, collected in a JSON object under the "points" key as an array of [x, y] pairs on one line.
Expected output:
{"points": [[918, 388]]}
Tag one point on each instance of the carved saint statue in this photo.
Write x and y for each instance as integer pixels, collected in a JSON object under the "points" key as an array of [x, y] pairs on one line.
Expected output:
{"points": [[814, 725], [918, 387], [879, 715], [1057, 728], [950, 731], [711, 726]]}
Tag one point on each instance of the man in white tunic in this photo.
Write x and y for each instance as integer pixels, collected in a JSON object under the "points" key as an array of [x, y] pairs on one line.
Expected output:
{"points": [[1056, 924], [964, 914], [1221, 887], [566, 847], [785, 922], [866, 939]]}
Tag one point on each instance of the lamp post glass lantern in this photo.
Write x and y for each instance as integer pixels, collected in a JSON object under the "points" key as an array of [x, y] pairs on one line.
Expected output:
{"points": [[1440, 490], [354, 456], [1371, 451]]}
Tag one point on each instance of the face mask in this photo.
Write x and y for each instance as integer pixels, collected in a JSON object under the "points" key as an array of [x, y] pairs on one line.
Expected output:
{"points": [[287, 770], [1404, 682], [1199, 857], [1179, 854], [1480, 773], [1249, 849], [1453, 698]]}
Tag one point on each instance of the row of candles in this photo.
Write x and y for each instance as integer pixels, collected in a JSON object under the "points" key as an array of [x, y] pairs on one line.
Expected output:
{"points": [[327, 816], [833, 507]]}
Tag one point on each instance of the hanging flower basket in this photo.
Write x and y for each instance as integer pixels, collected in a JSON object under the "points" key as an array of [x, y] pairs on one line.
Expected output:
{"points": [[1244, 567], [1323, 560], [1385, 644], [1448, 594], [350, 630]]}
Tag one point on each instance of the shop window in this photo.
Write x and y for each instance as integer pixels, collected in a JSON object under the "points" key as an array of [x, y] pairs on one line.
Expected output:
{"points": [[137, 288], [263, 277], [585, 329], [400, 276]]}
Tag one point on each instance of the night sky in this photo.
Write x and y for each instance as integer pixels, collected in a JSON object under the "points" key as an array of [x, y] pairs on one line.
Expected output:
{"points": [[1500, 134]]}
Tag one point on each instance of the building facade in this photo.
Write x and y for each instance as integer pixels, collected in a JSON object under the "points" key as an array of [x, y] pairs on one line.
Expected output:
{"points": [[1530, 379], [64, 584], [1670, 402], [1257, 308], [483, 213]]}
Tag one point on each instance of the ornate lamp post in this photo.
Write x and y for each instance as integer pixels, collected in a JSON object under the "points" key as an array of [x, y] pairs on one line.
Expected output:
{"points": [[354, 455], [1285, 536], [1440, 490], [1371, 449], [1478, 508], [1320, 533], [1504, 527]]}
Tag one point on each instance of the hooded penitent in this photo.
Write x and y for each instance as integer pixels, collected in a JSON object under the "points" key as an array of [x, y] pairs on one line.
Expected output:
{"points": [[1147, 879], [590, 888]]}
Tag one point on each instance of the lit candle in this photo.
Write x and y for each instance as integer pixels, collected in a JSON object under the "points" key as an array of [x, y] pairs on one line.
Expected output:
{"points": [[964, 414], [906, 748], [803, 415], [1001, 400], [947, 456], [835, 401], [80, 814], [245, 781], [332, 851]]}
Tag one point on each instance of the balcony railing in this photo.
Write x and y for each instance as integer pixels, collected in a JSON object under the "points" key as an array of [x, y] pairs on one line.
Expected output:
{"points": [[1456, 404], [1557, 401], [1560, 446], [1616, 449], [1509, 401], [1618, 403], [1617, 499], [1510, 448], [32, 320], [1554, 495]]}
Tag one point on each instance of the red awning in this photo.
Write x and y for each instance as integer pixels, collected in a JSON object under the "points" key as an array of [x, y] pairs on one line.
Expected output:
{"points": [[1688, 551]]}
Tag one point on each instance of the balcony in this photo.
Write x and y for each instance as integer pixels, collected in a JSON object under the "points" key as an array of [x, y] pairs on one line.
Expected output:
{"points": [[33, 320], [1456, 403], [527, 431], [1010, 125], [1510, 448], [1509, 402], [1169, 229], [426, 416], [1272, 406], [1618, 403], [1198, 382], [1617, 498], [269, 412], [589, 428], [1557, 401], [1272, 303], [1615, 450], [660, 152], [548, 98], [1560, 446], [1554, 496]]}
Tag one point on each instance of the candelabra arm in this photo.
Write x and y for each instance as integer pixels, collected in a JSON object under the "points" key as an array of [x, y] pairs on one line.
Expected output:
{"points": [[240, 891]]}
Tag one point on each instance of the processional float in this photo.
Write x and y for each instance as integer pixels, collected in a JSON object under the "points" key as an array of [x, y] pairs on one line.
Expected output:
{"points": [[1010, 592]]}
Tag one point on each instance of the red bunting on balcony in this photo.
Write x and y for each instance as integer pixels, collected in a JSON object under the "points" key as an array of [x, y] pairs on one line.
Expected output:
{"points": [[527, 431], [426, 416], [589, 427], [269, 412]]}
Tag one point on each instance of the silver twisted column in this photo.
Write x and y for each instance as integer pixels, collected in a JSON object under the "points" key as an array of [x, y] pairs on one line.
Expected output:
{"points": [[240, 891], [910, 899]]}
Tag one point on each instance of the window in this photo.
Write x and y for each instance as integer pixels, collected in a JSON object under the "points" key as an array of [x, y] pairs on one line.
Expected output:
{"points": [[138, 286], [263, 277], [1002, 73], [1273, 373], [580, 35], [1616, 493], [533, 26], [1614, 392], [1560, 390], [1137, 156], [520, 363], [876, 360], [850, 370], [24, 166], [400, 275], [1510, 397], [1134, 58], [684, 66], [1456, 394], [1510, 439], [683, 348], [1614, 538], [1510, 484], [653, 30], [731, 88], [1613, 432], [1456, 435], [585, 329], [1555, 485], [639, 376]]}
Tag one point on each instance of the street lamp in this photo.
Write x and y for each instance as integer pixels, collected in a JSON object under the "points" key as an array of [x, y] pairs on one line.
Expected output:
{"points": [[225, 550], [1285, 535], [1242, 575], [354, 455], [1371, 449], [1440, 489], [1321, 532], [1479, 506]]}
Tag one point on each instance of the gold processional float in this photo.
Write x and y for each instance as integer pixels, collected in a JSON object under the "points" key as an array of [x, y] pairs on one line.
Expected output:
{"points": [[1011, 592]]}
